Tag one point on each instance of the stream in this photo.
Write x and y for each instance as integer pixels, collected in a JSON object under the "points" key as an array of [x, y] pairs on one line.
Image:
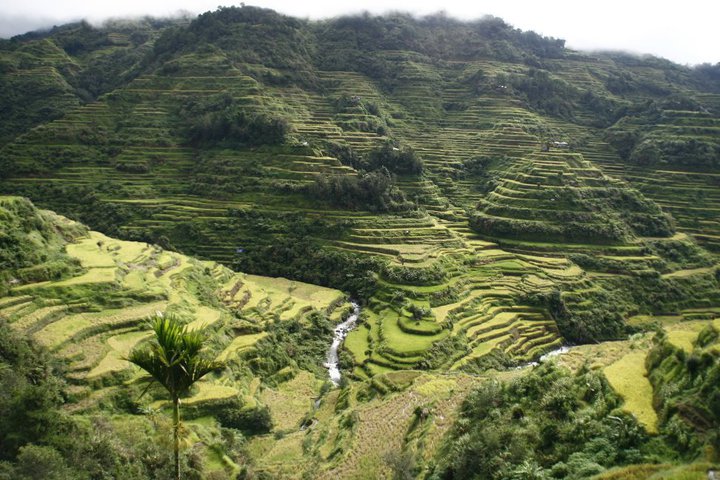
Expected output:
{"points": [[341, 331], [546, 357]]}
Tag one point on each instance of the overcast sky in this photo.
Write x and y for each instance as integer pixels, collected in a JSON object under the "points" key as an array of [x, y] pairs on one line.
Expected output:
{"points": [[687, 31]]}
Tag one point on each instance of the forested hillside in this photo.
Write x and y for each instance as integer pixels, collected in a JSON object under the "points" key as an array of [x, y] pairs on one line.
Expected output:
{"points": [[485, 193]]}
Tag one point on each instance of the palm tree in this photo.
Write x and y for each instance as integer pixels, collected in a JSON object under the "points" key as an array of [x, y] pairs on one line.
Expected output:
{"points": [[174, 359]]}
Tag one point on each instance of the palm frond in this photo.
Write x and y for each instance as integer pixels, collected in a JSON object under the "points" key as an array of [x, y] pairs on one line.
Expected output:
{"points": [[174, 357]]}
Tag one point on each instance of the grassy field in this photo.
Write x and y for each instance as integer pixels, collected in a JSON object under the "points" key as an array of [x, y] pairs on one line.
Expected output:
{"points": [[629, 378]]}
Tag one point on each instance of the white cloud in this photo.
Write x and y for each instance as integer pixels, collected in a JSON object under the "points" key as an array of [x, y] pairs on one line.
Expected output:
{"points": [[681, 31]]}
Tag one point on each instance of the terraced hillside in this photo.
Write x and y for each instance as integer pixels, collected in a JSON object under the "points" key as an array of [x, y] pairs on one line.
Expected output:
{"points": [[94, 317], [87, 297], [46, 74], [419, 171], [680, 175]]}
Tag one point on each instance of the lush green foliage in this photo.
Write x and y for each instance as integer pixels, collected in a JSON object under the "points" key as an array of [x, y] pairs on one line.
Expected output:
{"points": [[416, 163], [287, 246], [31, 244], [687, 393], [251, 421], [174, 358], [374, 191], [219, 119], [293, 344], [40, 440], [546, 424]]}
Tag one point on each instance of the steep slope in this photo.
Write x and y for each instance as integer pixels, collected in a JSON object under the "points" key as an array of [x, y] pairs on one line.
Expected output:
{"points": [[92, 312], [402, 160], [46, 74], [83, 297]]}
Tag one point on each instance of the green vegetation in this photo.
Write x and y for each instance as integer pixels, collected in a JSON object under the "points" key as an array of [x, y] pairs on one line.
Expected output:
{"points": [[547, 424], [174, 360], [72, 333], [219, 119], [374, 191], [686, 394], [35, 431], [486, 194], [551, 423]]}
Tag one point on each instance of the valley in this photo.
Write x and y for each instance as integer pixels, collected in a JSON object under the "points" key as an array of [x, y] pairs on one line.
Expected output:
{"points": [[486, 195]]}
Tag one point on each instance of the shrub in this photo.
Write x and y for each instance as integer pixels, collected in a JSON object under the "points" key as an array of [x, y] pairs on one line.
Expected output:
{"points": [[403, 161], [251, 421], [542, 422], [220, 119], [374, 191]]}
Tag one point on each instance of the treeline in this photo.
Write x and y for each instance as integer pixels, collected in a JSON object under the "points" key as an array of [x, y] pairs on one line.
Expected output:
{"points": [[434, 35], [402, 160], [260, 36], [249, 35], [551, 95], [287, 245], [681, 152], [220, 119], [304, 259], [571, 231], [374, 187]]}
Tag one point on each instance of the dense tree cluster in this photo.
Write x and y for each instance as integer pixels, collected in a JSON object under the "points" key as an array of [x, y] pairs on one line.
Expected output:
{"points": [[434, 35], [288, 247], [677, 153], [39, 440], [401, 160], [374, 190], [219, 119], [546, 424]]}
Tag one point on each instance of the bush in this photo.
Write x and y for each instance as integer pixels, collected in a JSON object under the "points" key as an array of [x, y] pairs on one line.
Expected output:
{"points": [[251, 421], [36, 462], [403, 161], [374, 191], [132, 167], [220, 119], [548, 420]]}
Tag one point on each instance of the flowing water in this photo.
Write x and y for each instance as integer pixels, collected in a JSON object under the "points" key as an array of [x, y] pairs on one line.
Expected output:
{"points": [[341, 332], [546, 357]]}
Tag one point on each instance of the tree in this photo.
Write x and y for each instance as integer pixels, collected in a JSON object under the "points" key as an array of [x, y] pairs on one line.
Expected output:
{"points": [[174, 359]]}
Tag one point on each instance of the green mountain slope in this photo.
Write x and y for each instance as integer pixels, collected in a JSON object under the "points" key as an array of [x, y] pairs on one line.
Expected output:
{"points": [[487, 194], [75, 302], [85, 298], [47, 74], [281, 139]]}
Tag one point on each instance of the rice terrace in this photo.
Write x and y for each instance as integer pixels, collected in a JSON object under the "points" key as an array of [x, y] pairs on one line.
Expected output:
{"points": [[404, 247]]}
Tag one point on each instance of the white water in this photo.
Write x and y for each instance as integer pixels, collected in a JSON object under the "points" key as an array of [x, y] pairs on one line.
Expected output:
{"points": [[544, 358], [341, 332], [554, 353]]}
